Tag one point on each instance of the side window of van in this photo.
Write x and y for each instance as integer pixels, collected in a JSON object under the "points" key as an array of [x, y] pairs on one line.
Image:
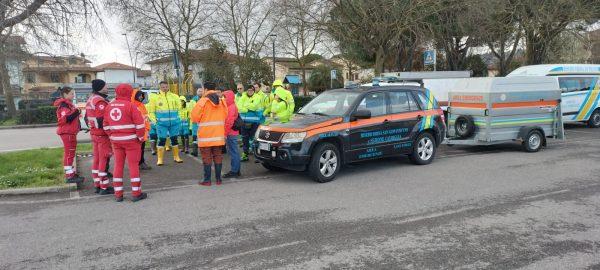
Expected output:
{"points": [[575, 84]]}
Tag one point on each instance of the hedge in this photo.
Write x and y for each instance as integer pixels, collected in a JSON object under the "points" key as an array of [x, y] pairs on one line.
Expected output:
{"points": [[41, 115], [301, 101]]}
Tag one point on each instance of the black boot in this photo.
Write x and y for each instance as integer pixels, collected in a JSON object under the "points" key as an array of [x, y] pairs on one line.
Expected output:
{"points": [[218, 168], [186, 144], [232, 175], [139, 198], [207, 171], [195, 149], [153, 148], [107, 191]]}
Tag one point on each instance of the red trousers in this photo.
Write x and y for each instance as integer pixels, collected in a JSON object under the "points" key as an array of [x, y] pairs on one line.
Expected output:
{"points": [[102, 153], [130, 151], [70, 145]]}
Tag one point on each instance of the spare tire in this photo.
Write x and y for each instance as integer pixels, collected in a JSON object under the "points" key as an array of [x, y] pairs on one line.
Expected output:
{"points": [[464, 126]]}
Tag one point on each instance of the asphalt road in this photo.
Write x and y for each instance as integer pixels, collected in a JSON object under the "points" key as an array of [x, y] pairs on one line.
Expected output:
{"points": [[30, 138], [473, 208]]}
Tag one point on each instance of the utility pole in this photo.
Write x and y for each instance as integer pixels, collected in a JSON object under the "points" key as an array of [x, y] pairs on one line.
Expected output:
{"points": [[130, 57], [274, 37]]}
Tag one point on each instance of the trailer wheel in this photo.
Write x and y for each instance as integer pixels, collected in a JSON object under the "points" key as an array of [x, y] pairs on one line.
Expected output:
{"points": [[464, 126], [533, 142], [594, 121]]}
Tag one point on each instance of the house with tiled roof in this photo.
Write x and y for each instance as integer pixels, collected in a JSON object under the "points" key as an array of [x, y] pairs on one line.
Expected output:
{"points": [[44, 73], [114, 73]]}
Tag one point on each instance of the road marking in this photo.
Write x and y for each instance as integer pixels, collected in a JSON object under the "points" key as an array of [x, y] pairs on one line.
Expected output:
{"points": [[546, 194], [435, 215], [258, 251]]}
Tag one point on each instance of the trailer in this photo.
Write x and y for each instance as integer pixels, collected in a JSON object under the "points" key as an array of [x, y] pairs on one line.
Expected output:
{"points": [[486, 111]]}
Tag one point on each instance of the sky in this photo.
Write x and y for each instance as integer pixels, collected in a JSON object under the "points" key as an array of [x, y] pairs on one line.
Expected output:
{"points": [[103, 47]]}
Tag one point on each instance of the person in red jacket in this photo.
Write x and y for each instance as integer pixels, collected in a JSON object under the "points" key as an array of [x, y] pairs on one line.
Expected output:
{"points": [[94, 113], [126, 127], [68, 127], [231, 135]]}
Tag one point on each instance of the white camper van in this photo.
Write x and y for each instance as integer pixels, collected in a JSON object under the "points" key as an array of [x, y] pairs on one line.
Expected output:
{"points": [[580, 87]]}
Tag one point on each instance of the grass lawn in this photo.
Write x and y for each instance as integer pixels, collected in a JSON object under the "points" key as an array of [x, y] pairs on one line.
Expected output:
{"points": [[9, 122], [34, 168]]}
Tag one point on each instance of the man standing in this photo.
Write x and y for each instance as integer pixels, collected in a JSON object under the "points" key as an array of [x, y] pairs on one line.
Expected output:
{"points": [[231, 134], [210, 113], [152, 132], [137, 99], [288, 97], [125, 125], [250, 109], [194, 126], [94, 114], [164, 112]]}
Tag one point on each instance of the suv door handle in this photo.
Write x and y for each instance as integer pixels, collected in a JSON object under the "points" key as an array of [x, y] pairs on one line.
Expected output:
{"points": [[386, 121]]}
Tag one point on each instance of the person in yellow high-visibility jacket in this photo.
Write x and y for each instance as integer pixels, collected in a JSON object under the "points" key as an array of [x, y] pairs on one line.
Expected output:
{"points": [[184, 130], [163, 110], [280, 112], [285, 96], [250, 110]]}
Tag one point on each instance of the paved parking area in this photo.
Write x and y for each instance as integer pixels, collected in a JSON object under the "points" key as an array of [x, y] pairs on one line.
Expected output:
{"points": [[473, 208]]}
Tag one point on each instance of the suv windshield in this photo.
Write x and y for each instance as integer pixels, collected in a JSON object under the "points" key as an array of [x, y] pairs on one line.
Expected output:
{"points": [[330, 103]]}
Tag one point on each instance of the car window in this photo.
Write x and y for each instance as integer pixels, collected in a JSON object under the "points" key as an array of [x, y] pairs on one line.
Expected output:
{"points": [[402, 102], [373, 102], [331, 103], [575, 84], [423, 101]]}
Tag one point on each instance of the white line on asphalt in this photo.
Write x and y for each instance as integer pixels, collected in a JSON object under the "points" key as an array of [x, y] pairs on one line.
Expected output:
{"points": [[435, 215], [258, 250], [546, 194]]}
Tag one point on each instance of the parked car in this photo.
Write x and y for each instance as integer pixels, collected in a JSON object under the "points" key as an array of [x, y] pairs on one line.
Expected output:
{"points": [[350, 125]]}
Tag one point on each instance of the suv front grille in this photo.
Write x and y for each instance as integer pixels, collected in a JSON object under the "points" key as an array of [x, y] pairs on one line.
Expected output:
{"points": [[271, 136]]}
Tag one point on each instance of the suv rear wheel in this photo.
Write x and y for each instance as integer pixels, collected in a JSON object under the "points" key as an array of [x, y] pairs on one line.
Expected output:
{"points": [[325, 163], [424, 149]]}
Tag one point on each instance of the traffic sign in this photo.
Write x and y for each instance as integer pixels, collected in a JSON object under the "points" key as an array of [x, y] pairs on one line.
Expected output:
{"points": [[429, 57]]}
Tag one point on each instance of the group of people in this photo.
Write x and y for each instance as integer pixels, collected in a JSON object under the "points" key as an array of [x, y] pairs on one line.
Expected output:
{"points": [[214, 119]]}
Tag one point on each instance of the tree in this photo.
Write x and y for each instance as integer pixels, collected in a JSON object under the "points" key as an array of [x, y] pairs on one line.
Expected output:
{"points": [[182, 25], [544, 21], [476, 65], [353, 21], [499, 28], [246, 24], [300, 32], [217, 68], [320, 79], [453, 29], [42, 21], [254, 69]]}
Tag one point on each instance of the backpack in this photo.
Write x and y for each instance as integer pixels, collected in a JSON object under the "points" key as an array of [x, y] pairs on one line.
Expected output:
{"points": [[238, 123]]}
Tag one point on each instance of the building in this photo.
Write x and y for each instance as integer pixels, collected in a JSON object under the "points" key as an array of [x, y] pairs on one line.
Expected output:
{"points": [[162, 69], [44, 74], [285, 66], [116, 73]]}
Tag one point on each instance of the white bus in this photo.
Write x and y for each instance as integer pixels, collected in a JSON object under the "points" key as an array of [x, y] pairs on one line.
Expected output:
{"points": [[580, 86]]}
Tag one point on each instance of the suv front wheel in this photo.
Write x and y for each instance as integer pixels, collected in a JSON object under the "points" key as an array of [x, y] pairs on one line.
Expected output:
{"points": [[325, 163], [424, 149]]}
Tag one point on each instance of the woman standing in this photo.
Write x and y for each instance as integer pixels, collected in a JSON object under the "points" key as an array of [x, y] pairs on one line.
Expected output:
{"points": [[68, 127]]}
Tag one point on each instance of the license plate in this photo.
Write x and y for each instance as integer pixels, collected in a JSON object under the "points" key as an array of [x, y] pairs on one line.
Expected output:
{"points": [[264, 146]]}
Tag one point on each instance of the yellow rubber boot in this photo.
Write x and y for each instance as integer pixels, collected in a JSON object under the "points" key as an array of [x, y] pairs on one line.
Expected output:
{"points": [[161, 155], [176, 154], [168, 144]]}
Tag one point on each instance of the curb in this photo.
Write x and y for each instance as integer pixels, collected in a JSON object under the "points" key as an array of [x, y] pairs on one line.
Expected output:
{"points": [[39, 190], [70, 187], [28, 126]]}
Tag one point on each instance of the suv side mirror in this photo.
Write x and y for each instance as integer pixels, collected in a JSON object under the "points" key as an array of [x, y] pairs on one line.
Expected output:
{"points": [[360, 114]]}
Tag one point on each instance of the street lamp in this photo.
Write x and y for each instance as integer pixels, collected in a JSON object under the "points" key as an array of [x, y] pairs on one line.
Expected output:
{"points": [[130, 57], [274, 37]]}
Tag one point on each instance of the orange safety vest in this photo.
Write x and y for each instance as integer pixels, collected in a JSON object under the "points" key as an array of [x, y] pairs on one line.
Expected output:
{"points": [[144, 112], [211, 121]]}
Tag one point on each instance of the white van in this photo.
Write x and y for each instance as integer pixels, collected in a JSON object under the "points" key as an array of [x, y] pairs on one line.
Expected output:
{"points": [[580, 88]]}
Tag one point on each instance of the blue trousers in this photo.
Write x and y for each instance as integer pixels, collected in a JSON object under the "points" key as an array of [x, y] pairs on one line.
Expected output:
{"points": [[171, 131], [232, 149]]}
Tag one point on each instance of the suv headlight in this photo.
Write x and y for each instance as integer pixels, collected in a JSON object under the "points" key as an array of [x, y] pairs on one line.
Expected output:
{"points": [[294, 137]]}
